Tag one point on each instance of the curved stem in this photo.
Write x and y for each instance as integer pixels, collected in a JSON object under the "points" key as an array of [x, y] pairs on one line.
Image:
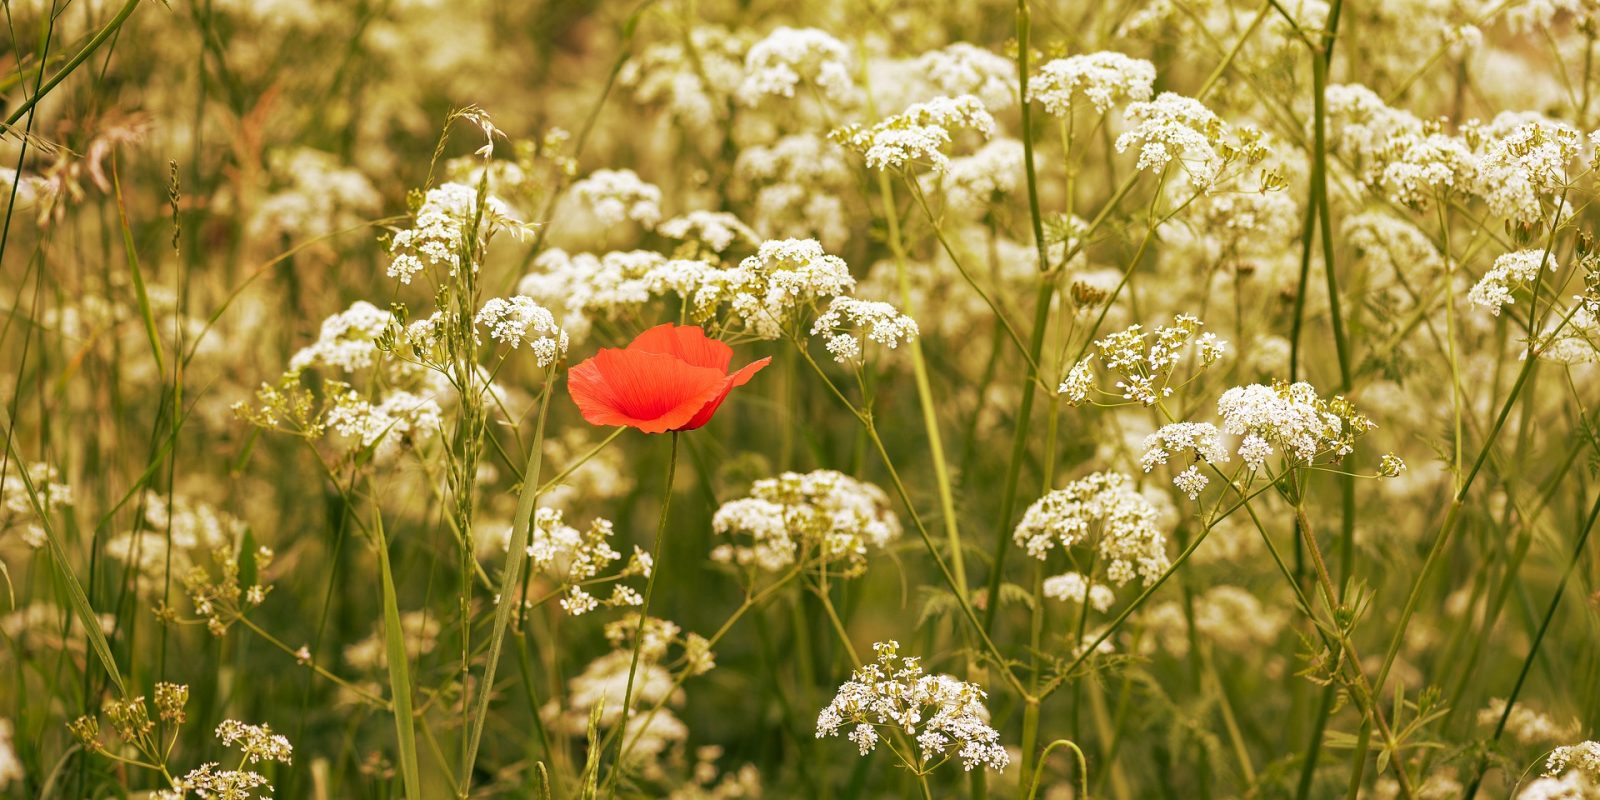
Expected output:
{"points": [[1083, 769]]}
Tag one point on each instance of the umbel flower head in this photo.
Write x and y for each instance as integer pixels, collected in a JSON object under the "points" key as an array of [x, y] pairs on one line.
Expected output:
{"points": [[822, 516], [669, 378], [943, 716]]}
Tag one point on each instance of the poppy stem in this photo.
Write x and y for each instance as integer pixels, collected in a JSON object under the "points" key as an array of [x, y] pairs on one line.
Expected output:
{"points": [[644, 610]]}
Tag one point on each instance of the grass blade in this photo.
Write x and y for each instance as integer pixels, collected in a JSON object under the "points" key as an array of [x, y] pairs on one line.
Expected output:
{"points": [[394, 640], [516, 560], [138, 274]]}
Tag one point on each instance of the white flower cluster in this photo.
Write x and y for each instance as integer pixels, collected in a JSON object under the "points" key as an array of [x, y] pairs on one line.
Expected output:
{"points": [[660, 635], [256, 743], [1418, 168], [667, 73], [1143, 364], [1577, 343], [53, 494], [197, 528], [848, 320], [799, 186], [347, 341], [1388, 242], [1583, 757], [437, 237], [762, 294], [1291, 417], [1103, 512], [209, 780], [399, 417], [572, 559], [716, 231], [1572, 785], [825, 517], [615, 196], [1230, 618], [777, 64], [603, 683], [318, 198], [945, 717], [421, 636], [1527, 726], [518, 319], [1510, 272], [1202, 439], [972, 182], [1524, 171], [963, 68], [1360, 123], [783, 276], [1074, 587], [585, 286], [1103, 79], [10, 765], [920, 133], [1177, 128]]}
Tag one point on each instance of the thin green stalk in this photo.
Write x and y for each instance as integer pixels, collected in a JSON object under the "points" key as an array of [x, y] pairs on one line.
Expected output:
{"points": [[1041, 321], [919, 366], [644, 609]]}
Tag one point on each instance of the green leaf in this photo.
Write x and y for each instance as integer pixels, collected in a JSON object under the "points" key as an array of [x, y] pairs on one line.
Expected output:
{"points": [[511, 584], [394, 638]]}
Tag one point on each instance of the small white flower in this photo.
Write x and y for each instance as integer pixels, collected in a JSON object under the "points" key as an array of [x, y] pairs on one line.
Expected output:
{"points": [[1103, 79], [517, 319], [848, 320]]}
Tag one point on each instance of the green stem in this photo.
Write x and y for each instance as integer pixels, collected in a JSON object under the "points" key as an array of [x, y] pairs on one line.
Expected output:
{"points": [[1083, 770], [919, 364], [649, 592]]}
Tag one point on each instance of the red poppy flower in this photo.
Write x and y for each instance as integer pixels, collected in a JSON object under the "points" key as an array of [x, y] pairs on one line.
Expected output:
{"points": [[669, 378]]}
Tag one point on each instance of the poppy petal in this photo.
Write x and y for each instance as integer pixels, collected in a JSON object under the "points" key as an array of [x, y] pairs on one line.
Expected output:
{"points": [[652, 392], [733, 381], [688, 342]]}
